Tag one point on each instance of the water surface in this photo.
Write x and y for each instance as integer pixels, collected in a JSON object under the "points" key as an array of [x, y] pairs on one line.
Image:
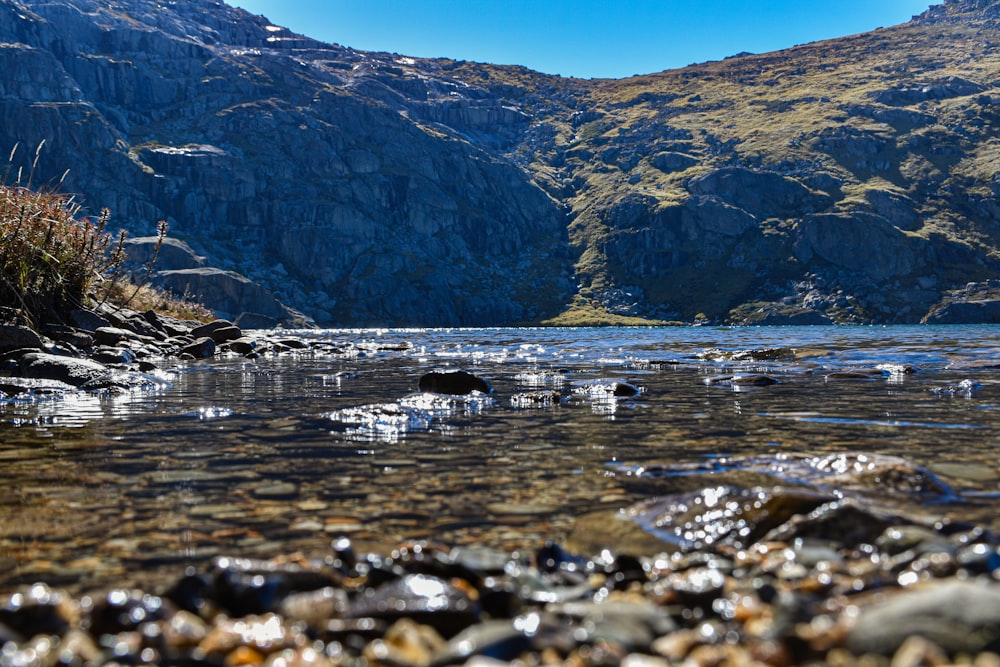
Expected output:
{"points": [[285, 453]]}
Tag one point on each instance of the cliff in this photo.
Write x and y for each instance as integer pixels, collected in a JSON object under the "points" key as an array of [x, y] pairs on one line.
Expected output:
{"points": [[850, 180]]}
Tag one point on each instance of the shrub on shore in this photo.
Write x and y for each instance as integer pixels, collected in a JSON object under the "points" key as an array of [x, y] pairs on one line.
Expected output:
{"points": [[52, 259]]}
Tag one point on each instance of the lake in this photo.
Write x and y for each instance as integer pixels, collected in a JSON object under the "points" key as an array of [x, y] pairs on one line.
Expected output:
{"points": [[286, 453]]}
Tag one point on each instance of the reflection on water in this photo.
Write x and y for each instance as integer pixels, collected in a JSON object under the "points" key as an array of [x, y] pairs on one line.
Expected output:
{"points": [[286, 453]]}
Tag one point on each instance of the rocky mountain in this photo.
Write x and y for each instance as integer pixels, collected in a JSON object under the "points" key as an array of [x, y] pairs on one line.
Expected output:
{"points": [[850, 180]]}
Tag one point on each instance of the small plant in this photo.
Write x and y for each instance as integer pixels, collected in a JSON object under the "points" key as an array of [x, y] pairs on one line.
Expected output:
{"points": [[52, 258], [123, 292], [49, 256]]}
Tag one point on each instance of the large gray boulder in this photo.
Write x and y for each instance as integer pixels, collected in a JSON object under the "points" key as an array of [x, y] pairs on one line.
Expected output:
{"points": [[227, 293], [173, 254], [72, 371]]}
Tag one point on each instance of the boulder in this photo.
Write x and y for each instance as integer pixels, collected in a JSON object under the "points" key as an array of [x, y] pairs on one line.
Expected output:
{"points": [[220, 331], [669, 161], [14, 337], [457, 383], [225, 292], [866, 244], [173, 254], [88, 320], [202, 348], [760, 193], [75, 372], [113, 335]]}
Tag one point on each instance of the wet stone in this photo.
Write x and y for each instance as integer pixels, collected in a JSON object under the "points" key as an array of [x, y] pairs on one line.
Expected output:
{"points": [[14, 337], [112, 336], [958, 616], [124, 611], [741, 380], [603, 388], [39, 610], [722, 515], [280, 491], [202, 348], [72, 371], [632, 625], [458, 383], [542, 398], [426, 600], [113, 355]]}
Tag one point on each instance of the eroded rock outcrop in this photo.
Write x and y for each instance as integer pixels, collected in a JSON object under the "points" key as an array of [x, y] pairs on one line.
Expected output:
{"points": [[850, 180]]}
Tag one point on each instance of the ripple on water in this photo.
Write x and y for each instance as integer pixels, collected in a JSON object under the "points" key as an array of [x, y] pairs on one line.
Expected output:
{"points": [[263, 456]]}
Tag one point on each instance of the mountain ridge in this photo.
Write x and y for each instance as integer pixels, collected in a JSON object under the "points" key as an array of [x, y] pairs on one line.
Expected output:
{"points": [[850, 180]]}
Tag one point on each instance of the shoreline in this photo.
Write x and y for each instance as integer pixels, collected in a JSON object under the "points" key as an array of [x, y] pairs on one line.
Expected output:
{"points": [[823, 576]]}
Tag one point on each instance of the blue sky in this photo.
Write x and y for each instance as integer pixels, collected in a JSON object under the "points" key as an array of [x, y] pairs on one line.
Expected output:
{"points": [[584, 38]]}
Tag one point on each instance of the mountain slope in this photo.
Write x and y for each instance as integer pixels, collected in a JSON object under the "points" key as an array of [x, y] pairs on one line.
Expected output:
{"points": [[846, 180]]}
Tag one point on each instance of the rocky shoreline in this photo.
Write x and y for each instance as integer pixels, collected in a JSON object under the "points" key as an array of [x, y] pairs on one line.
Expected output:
{"points": [[913, 598], [111, 348], [839, 559]]}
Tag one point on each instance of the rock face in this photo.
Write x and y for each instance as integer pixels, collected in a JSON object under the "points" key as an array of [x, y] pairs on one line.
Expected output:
{"points": [[353, 188], [367, 188]]}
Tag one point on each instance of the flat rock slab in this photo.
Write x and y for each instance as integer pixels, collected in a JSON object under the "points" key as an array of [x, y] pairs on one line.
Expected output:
{"points": [[75, 372]]}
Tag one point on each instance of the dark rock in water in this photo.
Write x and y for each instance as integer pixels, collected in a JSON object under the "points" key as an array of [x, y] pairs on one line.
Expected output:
{"points": [[10, 389], [107, 383], [741, 380], [722, 514], [860, 473], [113, 336], [244, 586], [81, 340], [863, 375], [292, 343], [606, 389], [242, 345], [125, 611], [958, 616], [425, 600], [847, 522], [40, 611], [457, 383], [113, 355], [220, 331], [851, 498], [541, 398], [226, 334], [72, 371], [203, 348], [14, 337]]}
